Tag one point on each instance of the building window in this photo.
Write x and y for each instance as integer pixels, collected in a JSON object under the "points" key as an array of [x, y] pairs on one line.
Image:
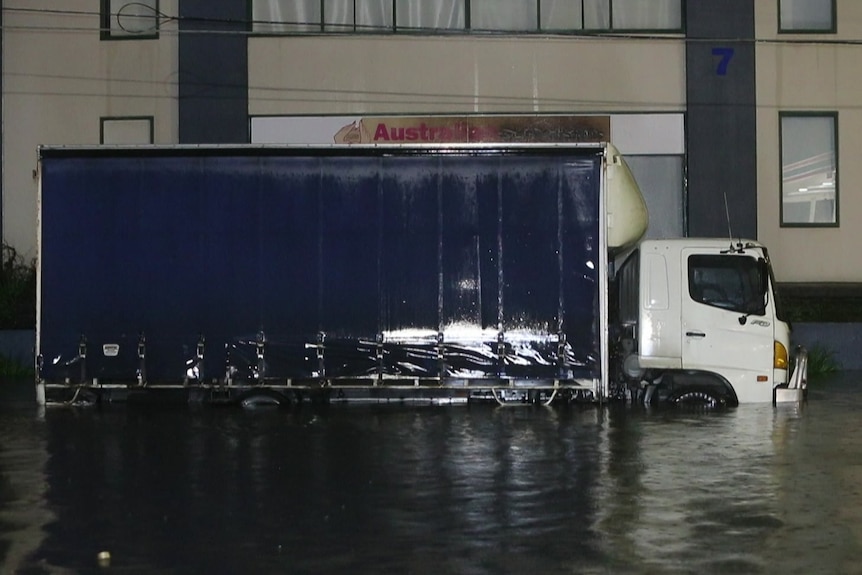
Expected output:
{"points": [[806, 16], [563, 15], [809, 169], [357, 15], [126, 130], [509, 15], [275, 17], [298, 16], [651, 15], [124, 19], [422, 14]]}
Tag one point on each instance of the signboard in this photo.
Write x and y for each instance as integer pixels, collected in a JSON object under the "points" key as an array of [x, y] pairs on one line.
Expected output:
{"points": [[429, 129]]}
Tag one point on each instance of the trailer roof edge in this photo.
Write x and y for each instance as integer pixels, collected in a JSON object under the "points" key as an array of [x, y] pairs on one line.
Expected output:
{"points": [[322, 149]]}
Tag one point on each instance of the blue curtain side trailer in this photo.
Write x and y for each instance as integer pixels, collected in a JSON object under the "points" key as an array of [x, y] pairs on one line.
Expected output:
{"points": [[227, 272]]}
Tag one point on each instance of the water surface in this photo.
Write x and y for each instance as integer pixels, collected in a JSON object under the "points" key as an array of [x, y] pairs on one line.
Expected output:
{"points": [[435, 489]]}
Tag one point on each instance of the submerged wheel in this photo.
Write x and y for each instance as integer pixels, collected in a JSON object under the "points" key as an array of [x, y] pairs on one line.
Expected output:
{"points": [[698, 398], [262, 398]]}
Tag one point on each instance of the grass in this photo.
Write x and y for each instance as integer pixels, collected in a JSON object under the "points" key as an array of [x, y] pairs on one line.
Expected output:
{"points": [[17, 290], [12, 368], [17, 305], [821, 362]]}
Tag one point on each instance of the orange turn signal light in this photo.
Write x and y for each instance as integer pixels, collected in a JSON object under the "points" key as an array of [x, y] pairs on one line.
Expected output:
{"points": [[779, 357]]}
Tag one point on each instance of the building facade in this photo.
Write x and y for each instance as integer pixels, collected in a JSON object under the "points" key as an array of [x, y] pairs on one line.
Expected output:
{"points": [[730, 113]]}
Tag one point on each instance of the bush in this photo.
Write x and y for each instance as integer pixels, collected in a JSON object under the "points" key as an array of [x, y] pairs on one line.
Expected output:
{"points": [[17, 290], [10, 367], [821, 361]]}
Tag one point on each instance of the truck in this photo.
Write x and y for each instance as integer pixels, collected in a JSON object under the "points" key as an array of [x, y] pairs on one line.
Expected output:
{"points": [[517, 273]]}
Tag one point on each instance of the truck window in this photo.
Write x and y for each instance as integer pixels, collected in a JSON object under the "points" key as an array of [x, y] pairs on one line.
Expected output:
{"points": [[731, 282], [627, 289]]}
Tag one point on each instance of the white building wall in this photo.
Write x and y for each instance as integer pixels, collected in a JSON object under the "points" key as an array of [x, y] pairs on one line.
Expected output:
{"points": [[463, 74], [59, 79], [818, 74], [327, 79]]}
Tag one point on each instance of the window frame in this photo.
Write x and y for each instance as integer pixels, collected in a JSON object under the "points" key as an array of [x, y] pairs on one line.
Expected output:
{"points": [[105, 119], [106, 27], [831, 30], [833, 116], [321, 28]]}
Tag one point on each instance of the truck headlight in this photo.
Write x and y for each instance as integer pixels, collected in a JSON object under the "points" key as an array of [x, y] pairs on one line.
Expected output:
{"points": [[779, 356]]}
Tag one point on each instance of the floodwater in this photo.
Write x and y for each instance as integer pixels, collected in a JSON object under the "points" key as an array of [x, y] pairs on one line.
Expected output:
{"points": [[435, 489]]}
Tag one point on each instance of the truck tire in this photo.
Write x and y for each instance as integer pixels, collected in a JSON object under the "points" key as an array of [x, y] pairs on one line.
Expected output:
{"points": [[262, 398], [701, 398]]}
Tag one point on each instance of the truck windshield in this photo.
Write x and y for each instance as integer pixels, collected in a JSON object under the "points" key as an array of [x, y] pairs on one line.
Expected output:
{"points": [[731, 282]]}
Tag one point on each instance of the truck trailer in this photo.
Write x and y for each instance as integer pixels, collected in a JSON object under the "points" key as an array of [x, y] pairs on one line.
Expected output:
{"points": [[280, 274]]}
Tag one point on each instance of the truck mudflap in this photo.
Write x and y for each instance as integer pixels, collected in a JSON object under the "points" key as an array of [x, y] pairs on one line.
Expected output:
{"points": [[797, 386]]}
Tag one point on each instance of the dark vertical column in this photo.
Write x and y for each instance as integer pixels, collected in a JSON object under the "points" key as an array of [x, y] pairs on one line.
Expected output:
{"points": [[213, 72], [720, 121], [2, 126]]}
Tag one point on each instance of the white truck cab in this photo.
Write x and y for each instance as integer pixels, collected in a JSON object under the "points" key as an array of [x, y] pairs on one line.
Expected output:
{"points": [[698, 321]]}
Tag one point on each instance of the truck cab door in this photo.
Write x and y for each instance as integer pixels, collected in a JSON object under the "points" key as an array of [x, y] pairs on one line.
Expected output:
{"points": [[726, 329]]}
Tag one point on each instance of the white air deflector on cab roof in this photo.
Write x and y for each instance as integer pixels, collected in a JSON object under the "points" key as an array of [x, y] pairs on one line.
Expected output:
{"points": [[627, 212]]}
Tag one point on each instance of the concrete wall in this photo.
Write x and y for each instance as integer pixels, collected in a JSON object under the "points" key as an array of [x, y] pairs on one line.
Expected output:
{"points": [[18, 345], [720, 117], [213, 72], [841, 339], [60, 79], [463, 74], [799, 72]]}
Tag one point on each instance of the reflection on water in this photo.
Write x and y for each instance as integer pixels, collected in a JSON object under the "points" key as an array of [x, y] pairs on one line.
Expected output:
{"points": [[24, 512], [459, 489]]}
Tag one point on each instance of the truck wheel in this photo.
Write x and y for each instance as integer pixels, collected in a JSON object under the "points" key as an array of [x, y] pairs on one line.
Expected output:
{"points": [[262, 398], [698, 398]]}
